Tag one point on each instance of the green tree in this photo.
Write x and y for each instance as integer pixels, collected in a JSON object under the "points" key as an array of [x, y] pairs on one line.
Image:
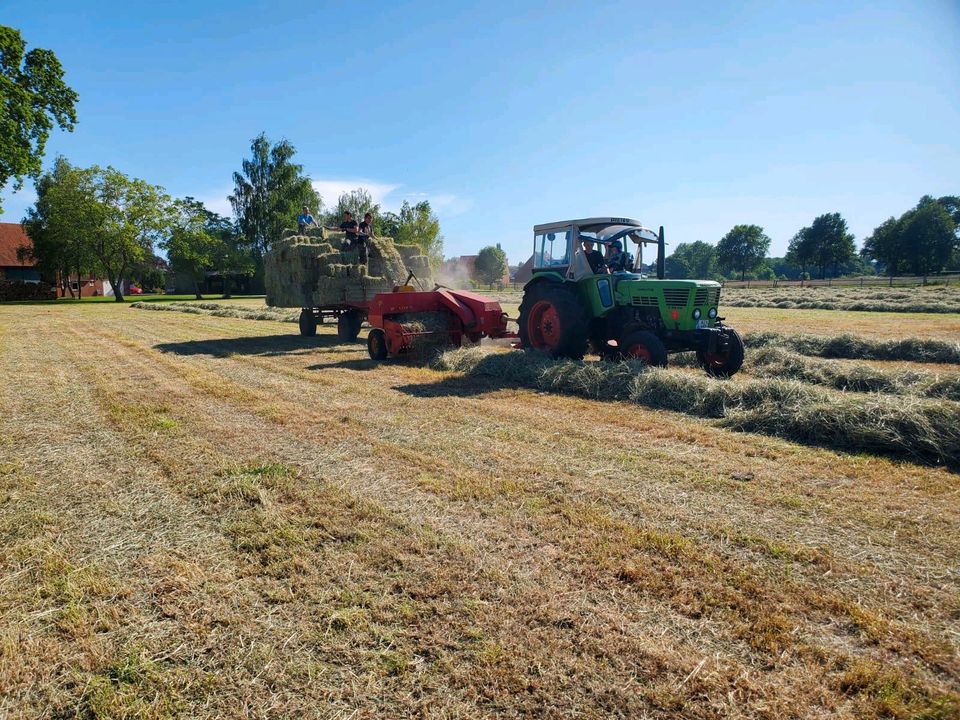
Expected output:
{"points": [[490, 265], [826, 244], [929, 234], [356, 202], [202, 241], [269, 192], [742, 249], [692, 260], [386, 224], [921, 241], [56, 248], [113, 220], [419, 226], [33, 97], [129, 216], [192, 250]]}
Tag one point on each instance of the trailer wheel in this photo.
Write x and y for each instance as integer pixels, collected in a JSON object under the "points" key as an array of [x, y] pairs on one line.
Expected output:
{"points": [[377, 344], [308, 323], [644, 346], [552, 320], [348, 325], [725, 364]]}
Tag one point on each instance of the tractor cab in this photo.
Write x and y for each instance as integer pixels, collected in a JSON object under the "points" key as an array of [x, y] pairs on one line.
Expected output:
{"points": [[558, 247]]}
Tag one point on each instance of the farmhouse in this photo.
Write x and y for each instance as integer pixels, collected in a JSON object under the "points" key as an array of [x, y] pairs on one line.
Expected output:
{"points": [[12, 267], [13, 239]]}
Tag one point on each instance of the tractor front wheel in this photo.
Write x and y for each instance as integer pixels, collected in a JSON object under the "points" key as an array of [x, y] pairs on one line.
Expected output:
{"points": [[348, 325], [377, 344], [552, 321], [308, 323], [727, 363], [644, 346]]}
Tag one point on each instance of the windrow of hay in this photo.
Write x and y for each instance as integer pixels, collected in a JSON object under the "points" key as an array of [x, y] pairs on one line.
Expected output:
{"points": [[320, 269], [775, 362], [217, 310], [913, 300], [854, 347], [920, 430]]}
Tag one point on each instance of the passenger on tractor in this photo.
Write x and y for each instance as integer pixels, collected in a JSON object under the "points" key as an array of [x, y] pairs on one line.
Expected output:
{"points": [[594, 257], [616, 260]]}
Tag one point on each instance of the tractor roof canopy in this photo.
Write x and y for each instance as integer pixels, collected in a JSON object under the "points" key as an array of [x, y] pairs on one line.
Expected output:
{"points": [[591, 225], [604, 229]]}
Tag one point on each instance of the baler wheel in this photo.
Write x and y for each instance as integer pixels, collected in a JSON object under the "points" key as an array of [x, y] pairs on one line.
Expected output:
{"points": [[377, 345]]}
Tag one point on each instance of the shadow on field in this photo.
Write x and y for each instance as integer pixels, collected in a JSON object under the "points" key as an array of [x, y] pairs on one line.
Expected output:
{"points": [[361, 364], [257, 345], [459, 387]]}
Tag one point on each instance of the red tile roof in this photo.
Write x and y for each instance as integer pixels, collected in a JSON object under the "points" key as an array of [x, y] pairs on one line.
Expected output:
{"points": [[13, 237]]}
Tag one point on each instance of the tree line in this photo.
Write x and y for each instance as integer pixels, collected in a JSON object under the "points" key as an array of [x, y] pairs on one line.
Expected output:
{"points": [[922, 241], [99, 221]]}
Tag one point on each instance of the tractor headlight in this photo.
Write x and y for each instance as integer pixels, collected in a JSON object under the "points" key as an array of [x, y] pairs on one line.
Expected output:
{"points": [[712, 313], [696, 314]]}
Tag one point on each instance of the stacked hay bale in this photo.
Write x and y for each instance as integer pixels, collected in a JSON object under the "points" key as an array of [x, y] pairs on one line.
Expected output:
{"points": [[314, 269]]}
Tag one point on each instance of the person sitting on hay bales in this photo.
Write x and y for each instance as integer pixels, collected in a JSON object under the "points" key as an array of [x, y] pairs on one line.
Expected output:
{"points": [[350, 227], [363, 236], [305, 220]]}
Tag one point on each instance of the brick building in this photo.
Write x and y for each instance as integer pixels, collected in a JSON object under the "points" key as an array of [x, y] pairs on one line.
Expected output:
{"points": [[12, 267]]}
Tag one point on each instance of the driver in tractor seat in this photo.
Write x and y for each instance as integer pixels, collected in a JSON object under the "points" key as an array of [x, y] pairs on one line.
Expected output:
{"points": [[594, 257]]}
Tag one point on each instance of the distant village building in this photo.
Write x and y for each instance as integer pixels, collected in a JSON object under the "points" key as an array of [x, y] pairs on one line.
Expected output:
{"points": [[459, 271], [13, 239], [12, 267]]}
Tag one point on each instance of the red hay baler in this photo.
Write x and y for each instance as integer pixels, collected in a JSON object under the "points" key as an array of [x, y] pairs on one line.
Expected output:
{"points": [[405, 319]]}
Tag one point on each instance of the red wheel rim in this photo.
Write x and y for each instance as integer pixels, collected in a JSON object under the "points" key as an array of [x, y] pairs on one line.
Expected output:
{"points": [[543, 327], [715, 360], [639, 352]]}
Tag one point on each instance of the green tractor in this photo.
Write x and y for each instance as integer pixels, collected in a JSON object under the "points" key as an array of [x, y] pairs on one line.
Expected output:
{"points": [[570, 305]]}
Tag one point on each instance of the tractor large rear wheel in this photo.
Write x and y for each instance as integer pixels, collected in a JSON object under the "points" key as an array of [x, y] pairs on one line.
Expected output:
{"points": [[644, 346], [348, 325], [725, 364], [552, 320]]}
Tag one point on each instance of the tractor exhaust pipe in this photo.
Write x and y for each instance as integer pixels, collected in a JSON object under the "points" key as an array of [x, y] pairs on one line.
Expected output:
{"points": [[661, 254]]}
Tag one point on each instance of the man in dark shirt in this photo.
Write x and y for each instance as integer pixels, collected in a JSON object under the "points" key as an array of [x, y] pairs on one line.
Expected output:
{"points": [[594, 257], [366, 232], [349, 226]]}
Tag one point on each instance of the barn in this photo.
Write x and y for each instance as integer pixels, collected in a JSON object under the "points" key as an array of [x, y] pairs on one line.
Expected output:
{"points": [[12, 265]]}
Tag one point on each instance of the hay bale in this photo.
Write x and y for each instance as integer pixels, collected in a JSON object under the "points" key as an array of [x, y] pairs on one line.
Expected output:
{"points": [[319, 268]]}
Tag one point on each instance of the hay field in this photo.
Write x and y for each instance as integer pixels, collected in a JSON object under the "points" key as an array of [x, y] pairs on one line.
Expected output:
{"points": [[212, 517]]}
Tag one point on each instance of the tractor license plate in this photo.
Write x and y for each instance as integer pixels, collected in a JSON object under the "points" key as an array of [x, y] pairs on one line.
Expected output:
{"points": [[701, 324]]}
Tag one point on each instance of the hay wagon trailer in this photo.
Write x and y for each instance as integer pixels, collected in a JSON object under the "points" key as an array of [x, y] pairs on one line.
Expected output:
{"points": [[349, 316]]}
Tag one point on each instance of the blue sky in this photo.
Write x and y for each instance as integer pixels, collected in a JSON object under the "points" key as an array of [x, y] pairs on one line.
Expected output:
{"points": [[696, 116]]}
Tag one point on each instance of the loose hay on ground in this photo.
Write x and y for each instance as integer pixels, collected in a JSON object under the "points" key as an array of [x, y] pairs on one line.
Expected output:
{"points": [[854, 347], [921, 430]]}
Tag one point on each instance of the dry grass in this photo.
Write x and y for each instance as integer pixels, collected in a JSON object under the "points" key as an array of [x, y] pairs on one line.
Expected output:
{"points": [[210, 517], [897, 300]]}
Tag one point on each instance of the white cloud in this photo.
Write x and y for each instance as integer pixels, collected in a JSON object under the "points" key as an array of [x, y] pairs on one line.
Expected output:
{"points": [[387, 195], [330, 190]]}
